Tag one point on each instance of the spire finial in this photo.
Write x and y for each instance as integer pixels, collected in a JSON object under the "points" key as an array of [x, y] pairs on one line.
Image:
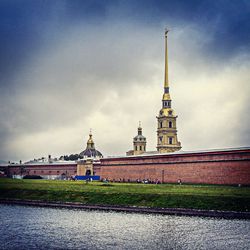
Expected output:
{"points": [[139, 129], [166, 59], [166, 31]]}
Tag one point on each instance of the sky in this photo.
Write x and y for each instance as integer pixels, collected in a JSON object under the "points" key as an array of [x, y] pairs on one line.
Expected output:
{"points": [[70, 66]]}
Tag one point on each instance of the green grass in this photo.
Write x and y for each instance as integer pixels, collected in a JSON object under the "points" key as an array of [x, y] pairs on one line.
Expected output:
{"points": [[212, 197]]}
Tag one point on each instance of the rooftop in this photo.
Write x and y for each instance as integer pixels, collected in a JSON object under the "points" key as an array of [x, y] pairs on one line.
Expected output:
{"points": [[154, 153]]}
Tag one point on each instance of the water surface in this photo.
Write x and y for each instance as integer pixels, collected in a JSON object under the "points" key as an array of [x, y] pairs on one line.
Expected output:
{"points": [[25, 227]]}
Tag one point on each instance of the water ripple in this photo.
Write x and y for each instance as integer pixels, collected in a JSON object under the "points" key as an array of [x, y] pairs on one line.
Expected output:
{"points": [[48, 228]]}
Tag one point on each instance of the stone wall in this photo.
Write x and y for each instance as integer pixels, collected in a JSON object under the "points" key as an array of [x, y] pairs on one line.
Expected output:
{"points": [[49, 169], [83, 166], [210, 167]]}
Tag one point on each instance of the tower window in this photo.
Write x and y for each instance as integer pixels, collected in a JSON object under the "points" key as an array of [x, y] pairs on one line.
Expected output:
{"points": [[166, 104], [170, 124], [160, 124], [170, 140], [140, 148]]}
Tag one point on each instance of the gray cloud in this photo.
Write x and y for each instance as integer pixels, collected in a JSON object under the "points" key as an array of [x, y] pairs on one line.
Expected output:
{"points": [[109, 77]]}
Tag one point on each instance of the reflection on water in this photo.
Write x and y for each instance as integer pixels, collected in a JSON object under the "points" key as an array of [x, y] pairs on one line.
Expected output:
{"points": [[48, 228]]}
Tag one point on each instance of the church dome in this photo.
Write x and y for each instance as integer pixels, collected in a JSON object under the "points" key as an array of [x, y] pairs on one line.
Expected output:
{"points": [[90, 151], [139, 137]]}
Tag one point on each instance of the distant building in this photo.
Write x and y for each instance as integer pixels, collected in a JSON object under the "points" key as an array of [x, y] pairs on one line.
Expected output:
{"points": [[58, 169], [167, 132], [139, 143], [47, 169], [90, 151], [90, 155]]}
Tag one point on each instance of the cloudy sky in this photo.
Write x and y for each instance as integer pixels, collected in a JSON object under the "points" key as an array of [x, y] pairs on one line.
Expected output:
{"points": [[68, 66]]}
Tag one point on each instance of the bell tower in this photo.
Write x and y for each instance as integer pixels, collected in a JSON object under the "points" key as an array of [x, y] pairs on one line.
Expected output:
{"points": [[167, 131], [139, 143]]}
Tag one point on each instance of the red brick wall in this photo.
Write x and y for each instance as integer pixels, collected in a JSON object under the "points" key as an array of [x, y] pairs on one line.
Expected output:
{"points": [[220, 167], [214, 167], [42, 169]]}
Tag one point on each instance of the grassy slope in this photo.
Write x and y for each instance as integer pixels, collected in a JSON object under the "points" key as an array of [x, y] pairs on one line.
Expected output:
{"points": [[150, 195]]}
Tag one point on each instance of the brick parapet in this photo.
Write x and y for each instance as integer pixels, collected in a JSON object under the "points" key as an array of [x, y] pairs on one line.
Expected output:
{"points": [[42, 169], [216, 167]]}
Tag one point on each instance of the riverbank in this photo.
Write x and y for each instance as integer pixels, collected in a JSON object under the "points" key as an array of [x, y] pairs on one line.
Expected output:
{"points": [[127, 209], [166, 198]]}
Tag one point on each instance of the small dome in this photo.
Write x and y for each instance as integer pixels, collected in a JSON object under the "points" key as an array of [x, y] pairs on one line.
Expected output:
{"points": [[139, 138], [90, 151]]}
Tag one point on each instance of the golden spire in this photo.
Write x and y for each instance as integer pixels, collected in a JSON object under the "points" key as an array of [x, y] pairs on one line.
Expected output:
{"points": [[90, 142], [166, 59], [167, 132], [166, 95]]}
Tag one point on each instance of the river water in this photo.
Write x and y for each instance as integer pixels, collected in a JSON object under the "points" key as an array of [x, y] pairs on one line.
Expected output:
{"points": [[24, 227]]}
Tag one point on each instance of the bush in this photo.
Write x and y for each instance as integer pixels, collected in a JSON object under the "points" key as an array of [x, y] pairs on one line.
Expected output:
{"points": [[32, 177]]}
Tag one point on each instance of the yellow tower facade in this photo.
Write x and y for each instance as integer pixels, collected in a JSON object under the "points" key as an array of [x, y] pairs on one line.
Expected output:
{"points": [[167, 130], [139, 143]]}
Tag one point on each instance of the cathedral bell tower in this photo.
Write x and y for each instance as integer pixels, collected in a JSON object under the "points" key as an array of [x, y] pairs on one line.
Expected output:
{"points": [[166, 132]]}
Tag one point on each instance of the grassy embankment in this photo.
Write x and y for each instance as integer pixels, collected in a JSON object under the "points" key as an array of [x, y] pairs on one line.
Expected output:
{"points": [[210, 197]]}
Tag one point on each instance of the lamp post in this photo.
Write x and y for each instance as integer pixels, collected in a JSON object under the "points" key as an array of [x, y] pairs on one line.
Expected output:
{"points": [[162, 176]]}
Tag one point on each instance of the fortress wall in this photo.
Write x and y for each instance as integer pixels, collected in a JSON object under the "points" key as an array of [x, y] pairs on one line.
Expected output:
{"points": [[211, 167], [43, 169], [214, 167]]}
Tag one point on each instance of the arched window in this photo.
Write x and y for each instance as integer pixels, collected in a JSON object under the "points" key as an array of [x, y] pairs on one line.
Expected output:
{"points": [[88, 172], [170, 140], [170, 124], [160, 139], [141, 148]]}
